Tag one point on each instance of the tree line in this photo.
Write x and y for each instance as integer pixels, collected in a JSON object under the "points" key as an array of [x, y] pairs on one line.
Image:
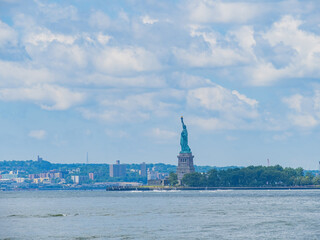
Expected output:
{"points": [[252, 176]]}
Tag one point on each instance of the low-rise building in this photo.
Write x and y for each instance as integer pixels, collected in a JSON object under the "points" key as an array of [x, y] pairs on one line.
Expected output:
{"points": [[91, 176], [9, 176], [79, 179], [158, 182]]}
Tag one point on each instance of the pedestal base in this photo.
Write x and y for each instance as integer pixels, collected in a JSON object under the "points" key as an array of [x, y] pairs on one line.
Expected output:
{"points": [[185, 164]]}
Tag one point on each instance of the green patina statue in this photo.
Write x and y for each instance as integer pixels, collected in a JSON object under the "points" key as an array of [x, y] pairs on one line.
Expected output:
{"points": [[184, 139]]}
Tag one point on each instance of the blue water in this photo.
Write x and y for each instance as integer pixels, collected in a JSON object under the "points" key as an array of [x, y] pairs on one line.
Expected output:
{"points": [[285, 214]]}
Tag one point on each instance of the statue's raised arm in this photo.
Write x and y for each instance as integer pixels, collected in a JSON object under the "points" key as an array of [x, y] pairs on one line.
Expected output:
{"points": [[182, 122]]}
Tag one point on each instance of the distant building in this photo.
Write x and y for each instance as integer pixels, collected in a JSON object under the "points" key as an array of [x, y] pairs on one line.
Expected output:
{"points": [[152, 174], [155, 175], [53, 174], [9, 176], [33, 176], [19, 180], [143, 169], [41, 180], [91, 176], [58, 175], [117, 170], [158, 182], [44, 175], [79, 179], [40, 159], [75, 179]]}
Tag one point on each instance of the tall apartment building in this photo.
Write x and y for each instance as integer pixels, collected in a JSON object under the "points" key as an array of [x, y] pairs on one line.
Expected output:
{"points": [[117, 170], [143, 169]]}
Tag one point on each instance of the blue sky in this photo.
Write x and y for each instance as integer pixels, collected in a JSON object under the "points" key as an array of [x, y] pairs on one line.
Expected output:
{"points": [[112, 78]]}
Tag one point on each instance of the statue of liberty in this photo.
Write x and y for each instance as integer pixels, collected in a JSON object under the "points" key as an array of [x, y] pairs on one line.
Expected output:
{"points": [[184, 139]]}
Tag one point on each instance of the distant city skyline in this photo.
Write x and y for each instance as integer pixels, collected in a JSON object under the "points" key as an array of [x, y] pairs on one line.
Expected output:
{"points": [[112, 79]]}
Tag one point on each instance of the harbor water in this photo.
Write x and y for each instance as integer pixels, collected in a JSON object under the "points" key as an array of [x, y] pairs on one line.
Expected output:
{"points": [[230, 214]]}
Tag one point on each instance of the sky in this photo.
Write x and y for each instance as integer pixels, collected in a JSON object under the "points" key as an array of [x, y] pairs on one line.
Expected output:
{"points": [[112, 78]]}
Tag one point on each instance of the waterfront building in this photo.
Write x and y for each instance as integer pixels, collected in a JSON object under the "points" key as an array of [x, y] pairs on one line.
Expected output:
{"points": [[117, 170], [185, 157], [158, 182]]}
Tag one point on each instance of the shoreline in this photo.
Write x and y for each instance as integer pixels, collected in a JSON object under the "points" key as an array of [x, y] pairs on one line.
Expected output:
{"points": [[157, 188], [160, 188]]}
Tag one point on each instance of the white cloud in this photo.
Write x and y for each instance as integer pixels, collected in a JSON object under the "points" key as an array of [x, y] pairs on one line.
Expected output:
{"points": [[103, 39], [148, 20], [211, 11], [232, 49], [144, 81], [59, 56], [225, 109], [304, 60], [305, 110], [38, 134], [245, 37], [305, 121], [124, 16], [223, 100], [49, 97], [155, 103], [244, 98], [294, 102], [19, 74], [54, 12], [45, 36], [163, 134], [125, 60], [217, 58], [184, 80], [100, 20], [121, 106], [214, 123], [265, 73], [114, 116], [7, 35], [132, 102]]}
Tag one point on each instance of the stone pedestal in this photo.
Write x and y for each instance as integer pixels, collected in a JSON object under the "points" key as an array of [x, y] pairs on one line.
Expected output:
{"points": [[185, 164]]}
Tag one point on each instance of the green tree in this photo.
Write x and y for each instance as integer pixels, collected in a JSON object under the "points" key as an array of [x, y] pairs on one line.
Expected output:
{"points": [[194, 179], [173, 179], [213, 178], [316, 180]]}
